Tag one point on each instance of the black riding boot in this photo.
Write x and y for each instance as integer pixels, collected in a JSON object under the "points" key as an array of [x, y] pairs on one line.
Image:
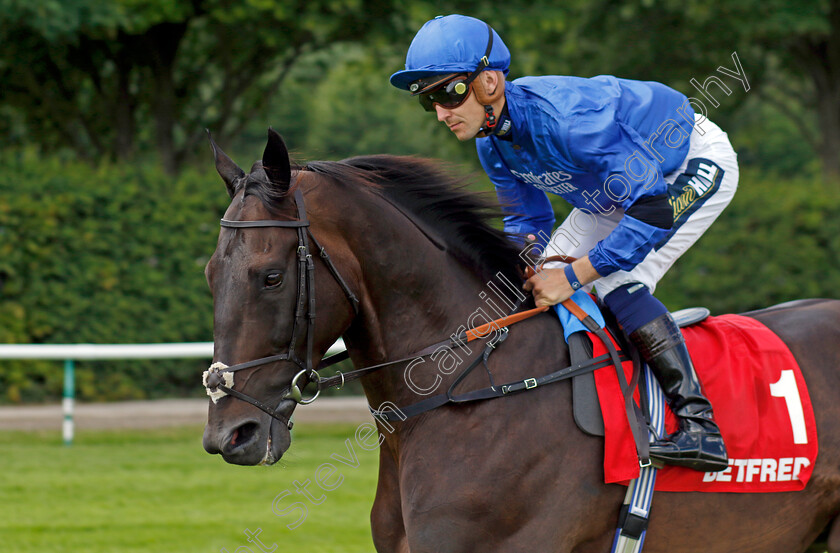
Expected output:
{"points": [[698, 443]]}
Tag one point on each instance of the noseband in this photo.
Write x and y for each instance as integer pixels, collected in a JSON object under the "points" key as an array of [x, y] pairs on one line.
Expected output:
{"points": [[218, 379]]}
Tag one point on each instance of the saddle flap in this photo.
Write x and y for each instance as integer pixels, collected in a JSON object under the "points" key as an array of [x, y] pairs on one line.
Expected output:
{"points": [[587, 410]]}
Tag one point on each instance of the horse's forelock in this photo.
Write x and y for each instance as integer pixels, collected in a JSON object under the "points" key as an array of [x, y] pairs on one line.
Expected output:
{"points": [[257, 183]]}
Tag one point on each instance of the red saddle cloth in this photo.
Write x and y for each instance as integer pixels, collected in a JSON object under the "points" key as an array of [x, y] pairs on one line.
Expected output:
{"points": [[760, 401]]}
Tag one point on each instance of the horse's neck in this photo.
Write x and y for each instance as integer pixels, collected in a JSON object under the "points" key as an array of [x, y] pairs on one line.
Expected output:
{"points": [[414, 298]]}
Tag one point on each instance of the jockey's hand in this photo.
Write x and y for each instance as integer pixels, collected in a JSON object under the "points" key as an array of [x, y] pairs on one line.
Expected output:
{"points": [[549, 286]]}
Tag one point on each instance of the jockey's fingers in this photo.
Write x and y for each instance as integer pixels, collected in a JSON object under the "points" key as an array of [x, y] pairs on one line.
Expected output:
{"points": [[529, 284], [543, 301]]}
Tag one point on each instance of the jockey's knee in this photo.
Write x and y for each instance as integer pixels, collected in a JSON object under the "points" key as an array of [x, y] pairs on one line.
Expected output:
{"points": [[634, 306]]}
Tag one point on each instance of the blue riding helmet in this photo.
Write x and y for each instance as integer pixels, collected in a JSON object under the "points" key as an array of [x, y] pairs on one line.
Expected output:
{"points": [[450, 44]]}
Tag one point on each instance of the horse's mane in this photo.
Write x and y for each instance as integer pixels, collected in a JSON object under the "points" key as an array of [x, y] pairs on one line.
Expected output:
{"points": [[436, 200]]}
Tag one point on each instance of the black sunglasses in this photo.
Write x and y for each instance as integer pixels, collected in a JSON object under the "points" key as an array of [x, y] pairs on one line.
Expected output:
{"points": [[449, 95]]}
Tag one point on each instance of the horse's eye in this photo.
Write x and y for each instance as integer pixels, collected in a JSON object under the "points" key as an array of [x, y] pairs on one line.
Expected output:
{"points": [[273, 280]]}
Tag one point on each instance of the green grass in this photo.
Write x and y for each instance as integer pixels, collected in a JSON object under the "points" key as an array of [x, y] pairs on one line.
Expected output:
{"points": [[158, 491]]}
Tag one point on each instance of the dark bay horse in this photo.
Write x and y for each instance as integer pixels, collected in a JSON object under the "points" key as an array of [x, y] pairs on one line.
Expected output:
{"points": [[506, 475]]}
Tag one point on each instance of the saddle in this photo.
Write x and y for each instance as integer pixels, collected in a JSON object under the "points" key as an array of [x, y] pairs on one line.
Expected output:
{"points": [[587, 410]]}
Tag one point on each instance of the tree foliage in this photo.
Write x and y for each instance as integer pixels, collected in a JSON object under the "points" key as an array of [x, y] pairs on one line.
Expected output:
{"points": [[109, 78], [790, 51]]}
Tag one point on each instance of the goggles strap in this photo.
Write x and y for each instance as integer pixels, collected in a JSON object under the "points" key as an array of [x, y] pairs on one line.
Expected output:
{"points": [[485, 60], [489, 115]]}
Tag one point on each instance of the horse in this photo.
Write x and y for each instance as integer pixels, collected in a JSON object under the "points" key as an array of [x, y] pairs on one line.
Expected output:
{"points": [[406, 255]]}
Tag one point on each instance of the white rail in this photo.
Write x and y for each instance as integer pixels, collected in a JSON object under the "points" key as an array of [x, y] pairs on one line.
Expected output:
{"points": [[80, 352], [70, 353]]}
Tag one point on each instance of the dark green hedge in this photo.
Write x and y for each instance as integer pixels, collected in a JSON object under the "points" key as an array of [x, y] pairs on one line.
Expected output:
{"points": [[116, 254], [104, 255]]}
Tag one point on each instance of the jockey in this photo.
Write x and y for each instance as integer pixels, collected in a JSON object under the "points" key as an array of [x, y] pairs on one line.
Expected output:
{"points": [[645, 174]]}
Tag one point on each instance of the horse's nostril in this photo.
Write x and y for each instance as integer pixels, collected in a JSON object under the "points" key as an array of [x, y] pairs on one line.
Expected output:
{"points": [[242, 435]]}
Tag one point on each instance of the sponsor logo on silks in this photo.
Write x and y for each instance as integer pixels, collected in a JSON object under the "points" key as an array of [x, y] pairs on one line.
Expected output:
{"points": [[694, 185], [505, 128], [550, 181], [760, 470], [690, 190]]}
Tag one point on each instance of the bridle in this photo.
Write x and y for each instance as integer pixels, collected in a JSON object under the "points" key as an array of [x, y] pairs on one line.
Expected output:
{"points": [[218, 379]]}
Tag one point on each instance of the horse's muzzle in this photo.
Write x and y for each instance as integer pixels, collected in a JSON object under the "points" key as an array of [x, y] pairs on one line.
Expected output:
{"points": [[251, 442]]}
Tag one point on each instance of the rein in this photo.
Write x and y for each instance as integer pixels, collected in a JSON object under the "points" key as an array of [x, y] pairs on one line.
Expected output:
{"points": [[464, 337]]}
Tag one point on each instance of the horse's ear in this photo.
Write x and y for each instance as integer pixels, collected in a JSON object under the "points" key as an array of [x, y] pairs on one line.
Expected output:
{"points": [[276, 161], [228, 170]]}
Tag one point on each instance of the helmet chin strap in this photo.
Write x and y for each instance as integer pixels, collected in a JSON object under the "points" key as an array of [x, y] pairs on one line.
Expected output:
{"points": [[489, 121], [486, 100]]}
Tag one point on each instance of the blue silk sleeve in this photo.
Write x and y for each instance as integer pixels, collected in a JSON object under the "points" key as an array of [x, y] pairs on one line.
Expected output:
{"points": [[528, 209]]}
